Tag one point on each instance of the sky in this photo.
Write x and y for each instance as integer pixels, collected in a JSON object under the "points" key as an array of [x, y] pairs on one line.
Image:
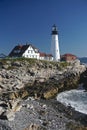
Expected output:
{"points": [[31, 21]]}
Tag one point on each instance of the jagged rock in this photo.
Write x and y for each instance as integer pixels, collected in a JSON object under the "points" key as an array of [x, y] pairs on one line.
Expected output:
{"points": [[4, 127], [30, 106], [10, 115], [32, 127], [16, 63], [2, 110], [25, 94], [83, 79], [19, 85], [5, 66], [16, 106], [13, 95], [7, 110], [35, 127], [50, 93], [74, 126], [3, 104], [1, 78], [40, 79]]}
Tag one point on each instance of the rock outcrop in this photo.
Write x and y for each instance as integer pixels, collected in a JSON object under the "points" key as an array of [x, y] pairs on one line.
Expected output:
{"points": [[83, 79], [40, 79]]}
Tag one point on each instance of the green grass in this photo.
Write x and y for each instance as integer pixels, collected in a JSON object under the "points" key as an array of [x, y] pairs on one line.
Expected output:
{"points": [[64, 64], [32, 62], [17, 59]]}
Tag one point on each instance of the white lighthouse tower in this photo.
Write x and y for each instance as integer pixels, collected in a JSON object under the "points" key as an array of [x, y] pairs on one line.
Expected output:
{"points": [[55, 44]]}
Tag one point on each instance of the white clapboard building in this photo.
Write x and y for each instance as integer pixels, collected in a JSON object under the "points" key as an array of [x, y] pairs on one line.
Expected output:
{"points": [[29, 51]]}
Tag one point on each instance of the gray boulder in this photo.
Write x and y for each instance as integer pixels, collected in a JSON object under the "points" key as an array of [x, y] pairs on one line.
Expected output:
{"points": [[4, 127]]}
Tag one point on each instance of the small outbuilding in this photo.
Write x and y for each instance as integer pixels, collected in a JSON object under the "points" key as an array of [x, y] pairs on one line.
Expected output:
{"points": [[44, 56], [68, 57]]}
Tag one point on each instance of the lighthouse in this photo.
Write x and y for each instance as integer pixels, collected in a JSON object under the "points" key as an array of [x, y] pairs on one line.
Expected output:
{"points": [[55, 44]]}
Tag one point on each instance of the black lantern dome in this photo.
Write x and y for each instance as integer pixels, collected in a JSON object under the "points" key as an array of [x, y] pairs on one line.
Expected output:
{"points": [[54, 29]]}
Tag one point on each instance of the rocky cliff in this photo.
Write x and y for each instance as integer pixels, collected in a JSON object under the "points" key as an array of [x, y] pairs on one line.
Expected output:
{"points": [[20, 78], [35, 77]]}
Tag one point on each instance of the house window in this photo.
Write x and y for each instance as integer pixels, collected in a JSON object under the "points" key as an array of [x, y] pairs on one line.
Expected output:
{"points": [[33, 56], [28, 51], [31, 51]]}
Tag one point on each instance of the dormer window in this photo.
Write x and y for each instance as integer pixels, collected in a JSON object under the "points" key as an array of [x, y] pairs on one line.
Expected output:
{"points": [[16, 51]]}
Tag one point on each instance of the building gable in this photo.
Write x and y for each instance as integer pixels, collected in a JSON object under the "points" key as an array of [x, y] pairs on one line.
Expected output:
{"points": [[31, 52], [27, 51], [19, 50]]}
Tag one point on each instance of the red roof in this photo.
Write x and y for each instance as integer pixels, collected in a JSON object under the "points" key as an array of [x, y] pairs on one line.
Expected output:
{"points": [[49, 55], [42, 54], [45, 55], [68, 57], [68, 54]]}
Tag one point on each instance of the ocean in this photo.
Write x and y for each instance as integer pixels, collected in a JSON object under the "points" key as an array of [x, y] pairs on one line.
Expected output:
{"points": [[83, 60], [76, 98]]}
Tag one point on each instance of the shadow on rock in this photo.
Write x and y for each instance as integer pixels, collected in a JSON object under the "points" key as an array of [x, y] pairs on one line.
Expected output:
{"points": [[4, 127]]}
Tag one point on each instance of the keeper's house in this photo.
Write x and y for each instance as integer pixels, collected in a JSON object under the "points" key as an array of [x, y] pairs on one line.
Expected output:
{"points": [[29, 51]]}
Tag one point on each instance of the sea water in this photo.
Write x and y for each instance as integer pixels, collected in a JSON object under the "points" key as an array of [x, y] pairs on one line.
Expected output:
{"points": [[74, 98]]}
